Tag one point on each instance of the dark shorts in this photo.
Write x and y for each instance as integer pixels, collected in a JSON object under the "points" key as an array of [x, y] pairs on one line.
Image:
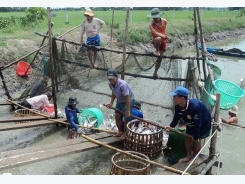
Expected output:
{"points": [[172, 160], [95, 41], [190, 131], [122, 107]]}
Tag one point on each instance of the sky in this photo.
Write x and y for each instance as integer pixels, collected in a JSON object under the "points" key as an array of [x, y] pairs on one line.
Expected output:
{"points": [[118, 3]]}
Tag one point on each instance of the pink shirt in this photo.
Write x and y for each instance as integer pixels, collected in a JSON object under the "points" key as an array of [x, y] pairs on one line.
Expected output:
{"points": [[38, 101]]}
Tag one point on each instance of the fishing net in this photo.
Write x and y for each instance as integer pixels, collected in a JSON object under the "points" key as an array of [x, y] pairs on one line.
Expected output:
{"points": [[74, 77]]}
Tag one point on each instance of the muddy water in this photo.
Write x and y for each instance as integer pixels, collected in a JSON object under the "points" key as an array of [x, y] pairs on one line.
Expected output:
{"points": [[97, 161]]}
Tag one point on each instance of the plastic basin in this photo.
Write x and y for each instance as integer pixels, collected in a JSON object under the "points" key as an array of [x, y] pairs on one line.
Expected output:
{"points": [[90, 114]]}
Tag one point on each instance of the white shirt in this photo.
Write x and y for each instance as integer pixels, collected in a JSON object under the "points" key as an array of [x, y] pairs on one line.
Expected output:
{"points": [[38, 101], [92, 28]]}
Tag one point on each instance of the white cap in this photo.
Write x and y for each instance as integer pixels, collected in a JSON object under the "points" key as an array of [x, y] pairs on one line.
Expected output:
{"points": [[234, 110]]}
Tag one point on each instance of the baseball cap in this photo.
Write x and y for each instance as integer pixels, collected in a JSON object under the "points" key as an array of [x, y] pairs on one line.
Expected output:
{"points": [[111, 73], [180, 90]]}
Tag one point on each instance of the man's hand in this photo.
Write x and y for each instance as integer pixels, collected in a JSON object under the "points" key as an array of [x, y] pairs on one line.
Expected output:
{"points": [[168, 128], [108, 105]]}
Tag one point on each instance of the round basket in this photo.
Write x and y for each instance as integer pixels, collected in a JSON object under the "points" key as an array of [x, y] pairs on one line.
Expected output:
{"points": [[25, 113], [150, 144], [123, 164], [230, 93]]}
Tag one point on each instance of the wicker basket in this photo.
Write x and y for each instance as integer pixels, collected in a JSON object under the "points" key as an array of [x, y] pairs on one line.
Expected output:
{"points": [[148, 144], [24, 113], [122, 164]]}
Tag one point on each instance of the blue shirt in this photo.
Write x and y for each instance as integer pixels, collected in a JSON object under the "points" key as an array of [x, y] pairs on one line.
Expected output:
{"points": [[120, 90], [71, 115], [197, 118], [136, 113]]}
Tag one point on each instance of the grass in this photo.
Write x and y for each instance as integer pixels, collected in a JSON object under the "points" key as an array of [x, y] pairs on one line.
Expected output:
{"points": [[180, 23]]}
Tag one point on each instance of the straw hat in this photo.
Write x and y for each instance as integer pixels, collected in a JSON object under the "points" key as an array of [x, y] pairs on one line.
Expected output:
{"points": [[155, 13], [233, 110], [89, 12]]}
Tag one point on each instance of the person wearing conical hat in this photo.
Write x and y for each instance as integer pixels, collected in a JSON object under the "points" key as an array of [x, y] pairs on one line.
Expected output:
{"points": [[158, 27], [233, 116], [91, 26]]}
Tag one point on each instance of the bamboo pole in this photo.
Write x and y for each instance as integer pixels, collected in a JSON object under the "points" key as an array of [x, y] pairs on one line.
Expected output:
{"points": [[209, 164], [112, 22], [150, 122], [212, 149], [57, 121], [125, 44], [16, 61], [202, 42], [232, 124], [134, 156]]}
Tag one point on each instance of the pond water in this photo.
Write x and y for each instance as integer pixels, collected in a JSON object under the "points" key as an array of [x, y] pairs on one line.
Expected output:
{"points": [[97, 162]]}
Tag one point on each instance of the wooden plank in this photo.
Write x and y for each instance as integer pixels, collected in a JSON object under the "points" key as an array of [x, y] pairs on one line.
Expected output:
{"points": [[27, 118], [27, 157], [183, 165], [59, 144], [6, 127]]}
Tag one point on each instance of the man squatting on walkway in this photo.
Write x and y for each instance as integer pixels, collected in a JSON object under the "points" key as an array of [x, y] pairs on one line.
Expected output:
{"points": [[197, 118]]}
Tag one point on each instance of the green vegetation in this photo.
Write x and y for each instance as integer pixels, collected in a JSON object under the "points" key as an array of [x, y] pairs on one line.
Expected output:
{"points": [[180, 23]]}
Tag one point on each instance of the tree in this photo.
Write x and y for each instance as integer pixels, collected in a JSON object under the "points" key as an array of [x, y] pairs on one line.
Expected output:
{"points": [[35, 15]]}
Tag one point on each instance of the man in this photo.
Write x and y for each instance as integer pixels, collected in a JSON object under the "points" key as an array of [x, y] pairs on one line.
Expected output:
{"points": [[233, 116], [92, 27], [197, 118], [71, 114], [125, 98], [158, 32], [37, 102]]}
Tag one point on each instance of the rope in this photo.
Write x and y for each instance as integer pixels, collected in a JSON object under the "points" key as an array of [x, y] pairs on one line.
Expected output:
{"points": [[199, 152], [137, 62]]}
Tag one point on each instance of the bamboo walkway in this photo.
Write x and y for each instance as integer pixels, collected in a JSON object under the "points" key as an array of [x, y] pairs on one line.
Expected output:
{"points": [[182, 166], [31, 123], [26, 156]]}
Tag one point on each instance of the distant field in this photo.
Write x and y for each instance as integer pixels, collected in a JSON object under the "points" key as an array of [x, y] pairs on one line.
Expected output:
{"points": [[179, 23], [136, 16]]}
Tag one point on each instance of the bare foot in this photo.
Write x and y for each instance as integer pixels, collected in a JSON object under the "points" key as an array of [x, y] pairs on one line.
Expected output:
{"points": [[155, 76], [118, 134], [157, 53], [186, 159], [194, 163]]}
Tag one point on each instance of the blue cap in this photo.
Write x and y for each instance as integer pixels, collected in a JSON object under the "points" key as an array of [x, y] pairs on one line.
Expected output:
{"points": [[180, 91]]}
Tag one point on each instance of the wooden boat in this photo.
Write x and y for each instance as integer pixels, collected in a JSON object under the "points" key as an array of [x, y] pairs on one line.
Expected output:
{"points": [[234, 52]]}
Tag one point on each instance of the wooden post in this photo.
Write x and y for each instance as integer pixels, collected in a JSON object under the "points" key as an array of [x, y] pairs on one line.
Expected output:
{"points": [[212, 149], [202, 43], [125, 43], [52, 73], [112, 22]]}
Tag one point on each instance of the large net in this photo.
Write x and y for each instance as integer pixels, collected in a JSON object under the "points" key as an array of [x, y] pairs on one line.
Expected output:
{"points": [[74, 77]]}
